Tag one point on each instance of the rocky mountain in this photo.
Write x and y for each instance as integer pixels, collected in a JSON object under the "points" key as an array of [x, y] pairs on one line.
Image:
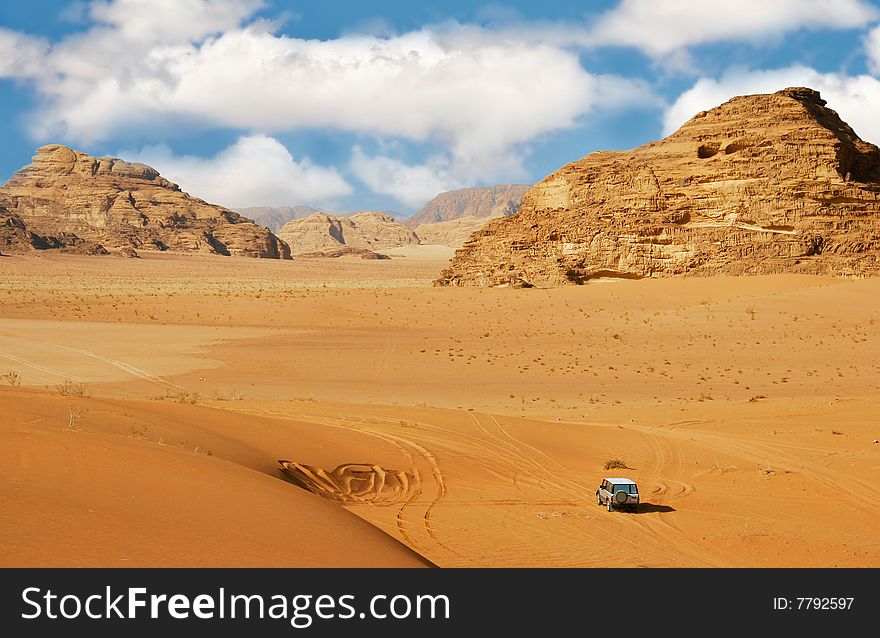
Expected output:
{"points": [[369, 230], [484, 202], [107, 201], [275, 218], [761, 184], [453, 233]]}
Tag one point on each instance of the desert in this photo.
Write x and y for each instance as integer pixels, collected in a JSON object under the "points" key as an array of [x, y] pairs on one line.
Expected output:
{"points": [[415, 286], [146, 404]]}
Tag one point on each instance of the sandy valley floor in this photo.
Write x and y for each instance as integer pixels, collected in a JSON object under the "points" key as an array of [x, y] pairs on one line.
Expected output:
{"points": [[157, 395]]}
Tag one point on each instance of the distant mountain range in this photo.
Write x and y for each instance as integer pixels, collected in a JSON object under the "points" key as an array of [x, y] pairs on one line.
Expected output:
{"points": [[483, 202], [275, 218], [448, 219]]}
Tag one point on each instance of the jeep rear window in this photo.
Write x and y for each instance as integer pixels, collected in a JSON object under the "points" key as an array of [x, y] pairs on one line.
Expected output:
{"points": [[629, 489]]}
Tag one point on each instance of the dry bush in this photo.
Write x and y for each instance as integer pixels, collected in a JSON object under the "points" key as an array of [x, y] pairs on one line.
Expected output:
{"points": [[612, 464], [71, 389], [74, 415], [12, 378], [179, 397]]}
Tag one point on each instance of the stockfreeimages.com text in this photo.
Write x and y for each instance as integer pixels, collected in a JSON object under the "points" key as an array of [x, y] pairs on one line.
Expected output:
{"points": [[300, 610]]}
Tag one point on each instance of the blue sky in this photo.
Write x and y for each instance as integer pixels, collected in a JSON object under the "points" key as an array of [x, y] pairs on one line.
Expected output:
{"points": [[359, 105]]}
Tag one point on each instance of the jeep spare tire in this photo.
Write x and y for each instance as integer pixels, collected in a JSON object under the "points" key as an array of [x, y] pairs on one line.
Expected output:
{"points": [[620, 497]]}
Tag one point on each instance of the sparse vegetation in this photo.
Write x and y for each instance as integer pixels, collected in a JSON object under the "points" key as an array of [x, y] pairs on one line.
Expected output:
{"points": [[612, 464], [74, 415], [72, 389], [756, 398], [768, 470], [12, 378], [234, 395], [180, 397], [139, 432]]}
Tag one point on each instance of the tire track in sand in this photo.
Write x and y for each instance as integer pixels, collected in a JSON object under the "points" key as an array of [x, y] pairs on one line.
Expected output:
{"points": [[401, 443]]}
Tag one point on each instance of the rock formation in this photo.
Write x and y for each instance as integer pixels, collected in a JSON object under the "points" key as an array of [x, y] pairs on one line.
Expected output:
{"points": [[369, 230], [453, 233], [275, 218], [343, 251], [761, 184], [117, 204], [15, 237], [484, 202]]}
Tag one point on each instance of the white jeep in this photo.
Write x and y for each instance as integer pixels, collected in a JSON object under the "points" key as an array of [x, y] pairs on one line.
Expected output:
{"points": [[618, 492]]}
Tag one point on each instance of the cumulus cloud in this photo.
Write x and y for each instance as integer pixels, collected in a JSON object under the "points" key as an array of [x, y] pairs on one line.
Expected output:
{"points": [[421, 85], [171, 21], [662, 28], [21, 56], [476, 96], [255, 171], [855, 98], [412, 185], [473, 94], [492, 151]]}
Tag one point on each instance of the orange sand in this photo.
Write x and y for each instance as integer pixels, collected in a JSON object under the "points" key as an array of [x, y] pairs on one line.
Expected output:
{"points": [[746, 408]]}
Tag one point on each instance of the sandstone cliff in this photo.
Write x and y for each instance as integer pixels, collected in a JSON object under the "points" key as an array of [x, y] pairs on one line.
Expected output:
{"points": [[118, 204], [484, 202], [369, 230], [761, 184]]}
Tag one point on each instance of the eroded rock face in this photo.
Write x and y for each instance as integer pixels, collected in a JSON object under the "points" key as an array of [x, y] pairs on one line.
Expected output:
{"points": [[15, 237], [119, 204], [761, 184], [320, 233], [484, 202]]}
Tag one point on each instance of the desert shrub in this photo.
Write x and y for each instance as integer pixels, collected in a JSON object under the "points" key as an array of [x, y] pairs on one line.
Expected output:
{"points": [[12, 378], [612, 464], [71, 389], [139, 432], [179, 397], [75, 414]]}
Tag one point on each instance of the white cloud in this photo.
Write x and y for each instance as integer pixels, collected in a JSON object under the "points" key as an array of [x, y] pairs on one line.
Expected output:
{"points": [[872, 48], [463, 91], [21, 56], [412, 185], [662, 28], [855, 98], [474, 94], [255, 171], [158, 22]]}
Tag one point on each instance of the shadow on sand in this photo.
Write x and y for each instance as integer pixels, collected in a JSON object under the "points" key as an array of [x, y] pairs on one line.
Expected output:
{"points": [[648, 508]]}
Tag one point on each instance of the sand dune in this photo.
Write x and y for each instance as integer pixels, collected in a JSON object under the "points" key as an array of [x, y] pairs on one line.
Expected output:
{"points": [[159, 484], [469, 425]]}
